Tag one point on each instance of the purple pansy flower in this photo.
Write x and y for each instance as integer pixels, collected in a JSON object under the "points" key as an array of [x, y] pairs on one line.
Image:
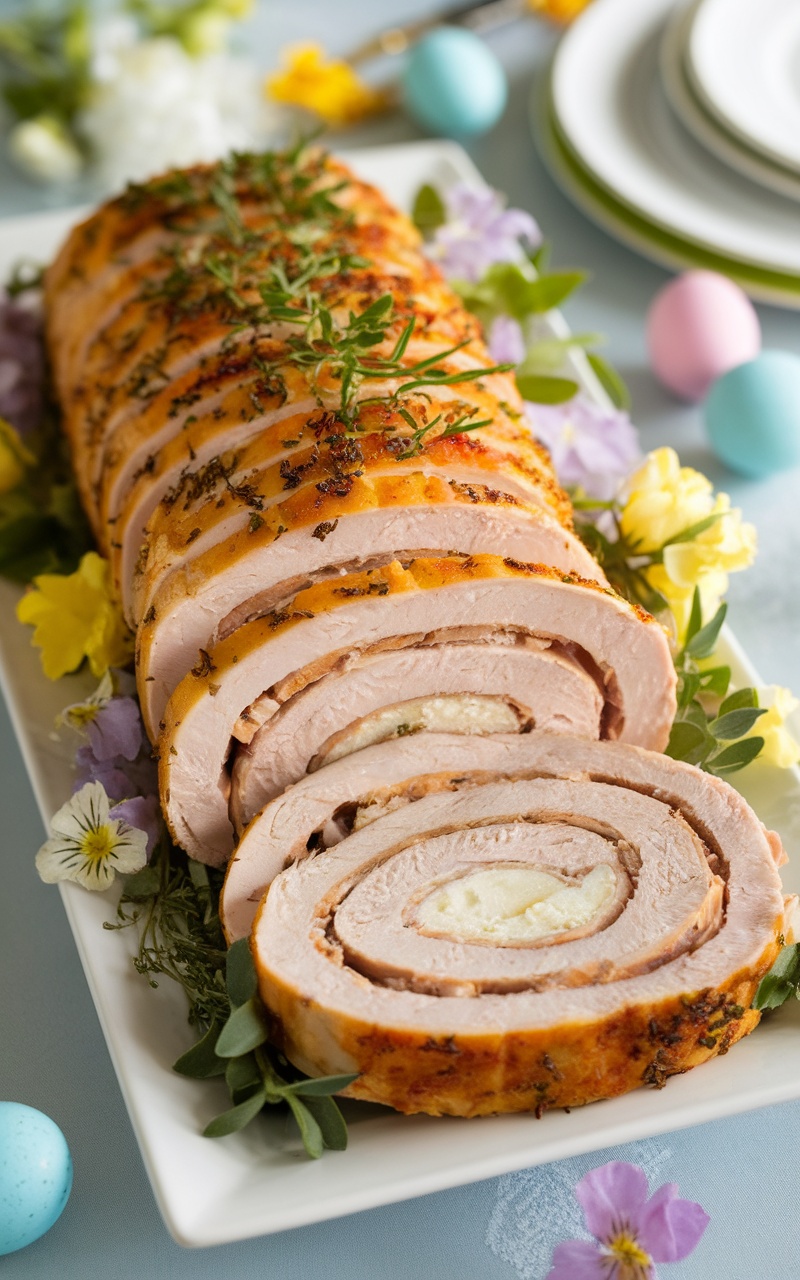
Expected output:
{"points": [[121, 778], [21, 361], [631, 1232], [506, 341], [143, 813], [479, 231], [116, 730], [591, 447]]}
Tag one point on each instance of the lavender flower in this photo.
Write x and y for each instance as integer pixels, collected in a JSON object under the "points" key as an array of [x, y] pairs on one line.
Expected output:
{"points": [[631, 1232], [506, 341], [21, 360], [479, 231], [591, 447], [117, 753], [116, 730], [144, 814]]}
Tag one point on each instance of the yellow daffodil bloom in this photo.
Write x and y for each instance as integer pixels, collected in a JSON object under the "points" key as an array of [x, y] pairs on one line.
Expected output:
{"points": [[780, 747], [664, 500], [14, 457], [329, 88], [558, 10], [76, 617]]}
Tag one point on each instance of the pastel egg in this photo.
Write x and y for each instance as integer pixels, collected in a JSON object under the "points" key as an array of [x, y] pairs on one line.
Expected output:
{"points": [[35, 1175], [699, 326], [454, 85], [753, 415]]}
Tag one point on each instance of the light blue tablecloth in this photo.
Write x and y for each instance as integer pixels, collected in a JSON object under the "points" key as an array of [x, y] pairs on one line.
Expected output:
{"points": [[52, 1054]]}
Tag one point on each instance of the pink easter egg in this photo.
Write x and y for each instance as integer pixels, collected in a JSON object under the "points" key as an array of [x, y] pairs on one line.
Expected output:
{"points": [[699, 326]]}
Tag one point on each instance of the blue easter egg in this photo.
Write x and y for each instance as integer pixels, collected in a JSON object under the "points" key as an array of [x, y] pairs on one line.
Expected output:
{"points": [[753, 415], [35, 1175], [454, 84]]}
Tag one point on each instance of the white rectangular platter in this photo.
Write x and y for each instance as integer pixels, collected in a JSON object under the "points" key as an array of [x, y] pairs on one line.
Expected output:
{"points": [[260, 1181]]}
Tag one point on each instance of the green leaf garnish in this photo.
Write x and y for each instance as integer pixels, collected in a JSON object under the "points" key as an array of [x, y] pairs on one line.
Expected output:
{"points": [[201, 1061], [428, 211], [245, 1029], [239, 1116], [735, 723], [611, 381], [240, 974], [174, 903], [782, 981], [544, 390]]}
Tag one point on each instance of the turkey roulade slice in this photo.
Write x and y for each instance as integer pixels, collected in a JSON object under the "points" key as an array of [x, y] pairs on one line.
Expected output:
{"points": [[254, 560], [561, 922], [386, 653]]}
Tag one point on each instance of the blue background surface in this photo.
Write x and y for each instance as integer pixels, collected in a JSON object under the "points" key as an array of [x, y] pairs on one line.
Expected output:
{"points": [[52, 1054]]}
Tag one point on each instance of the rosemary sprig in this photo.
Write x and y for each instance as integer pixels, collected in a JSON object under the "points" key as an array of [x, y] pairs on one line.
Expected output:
{"points": [[418, 433], [174, 905]]}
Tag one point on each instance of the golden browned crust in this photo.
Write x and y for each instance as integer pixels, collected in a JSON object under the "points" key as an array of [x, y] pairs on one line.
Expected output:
{"points": [[485, 1074]]}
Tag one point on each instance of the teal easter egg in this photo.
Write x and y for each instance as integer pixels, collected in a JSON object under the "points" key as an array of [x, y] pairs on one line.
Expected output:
{"points": [[454, 85], [35, 1175], [753, 415]]}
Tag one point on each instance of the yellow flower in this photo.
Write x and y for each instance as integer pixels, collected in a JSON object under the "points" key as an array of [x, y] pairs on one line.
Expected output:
{"points": [[76, 617], [780, 747], [666, 499], [14, 457], [558, 10], [330, 89]]}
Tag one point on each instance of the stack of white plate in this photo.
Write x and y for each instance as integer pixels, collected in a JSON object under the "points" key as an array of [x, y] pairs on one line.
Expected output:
{"points": [[677, 128]]}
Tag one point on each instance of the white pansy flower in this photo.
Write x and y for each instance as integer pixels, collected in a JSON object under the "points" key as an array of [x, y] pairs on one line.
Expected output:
{"points": [[87, 845], [79, 714], [45, 150], [164, 109]]}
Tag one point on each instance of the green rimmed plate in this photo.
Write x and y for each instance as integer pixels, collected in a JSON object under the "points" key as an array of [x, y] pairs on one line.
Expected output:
{"points": [[636, 232]]}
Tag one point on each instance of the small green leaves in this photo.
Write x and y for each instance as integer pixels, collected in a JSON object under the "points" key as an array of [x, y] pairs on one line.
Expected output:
{"points": [[736, 723], [330, 1120], [240, 973], [235, 1119], [514, 289], [712, 728], [310, 1131], [545, 390], [201, 1061], [702, 643], [245, 1029], [611, 382], [428, 211], [782, 981], [321, 1087]]}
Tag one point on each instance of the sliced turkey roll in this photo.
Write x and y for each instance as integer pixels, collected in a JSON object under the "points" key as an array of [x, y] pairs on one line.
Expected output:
{"points": [[353, 660], [511, 924], [205, 583]]}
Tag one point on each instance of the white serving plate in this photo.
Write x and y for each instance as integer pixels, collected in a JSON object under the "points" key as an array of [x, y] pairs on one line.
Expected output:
{"points": [[615, 116], [259, 1181], [705, 127], [638, 233], [744, 60]]}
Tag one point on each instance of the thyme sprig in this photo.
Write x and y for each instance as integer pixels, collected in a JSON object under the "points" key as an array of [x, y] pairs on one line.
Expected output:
{"points": [[174, 905], [418, 433]]}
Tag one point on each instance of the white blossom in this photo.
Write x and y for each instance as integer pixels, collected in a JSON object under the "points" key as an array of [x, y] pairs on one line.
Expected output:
{"points": [[162, 109]]}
